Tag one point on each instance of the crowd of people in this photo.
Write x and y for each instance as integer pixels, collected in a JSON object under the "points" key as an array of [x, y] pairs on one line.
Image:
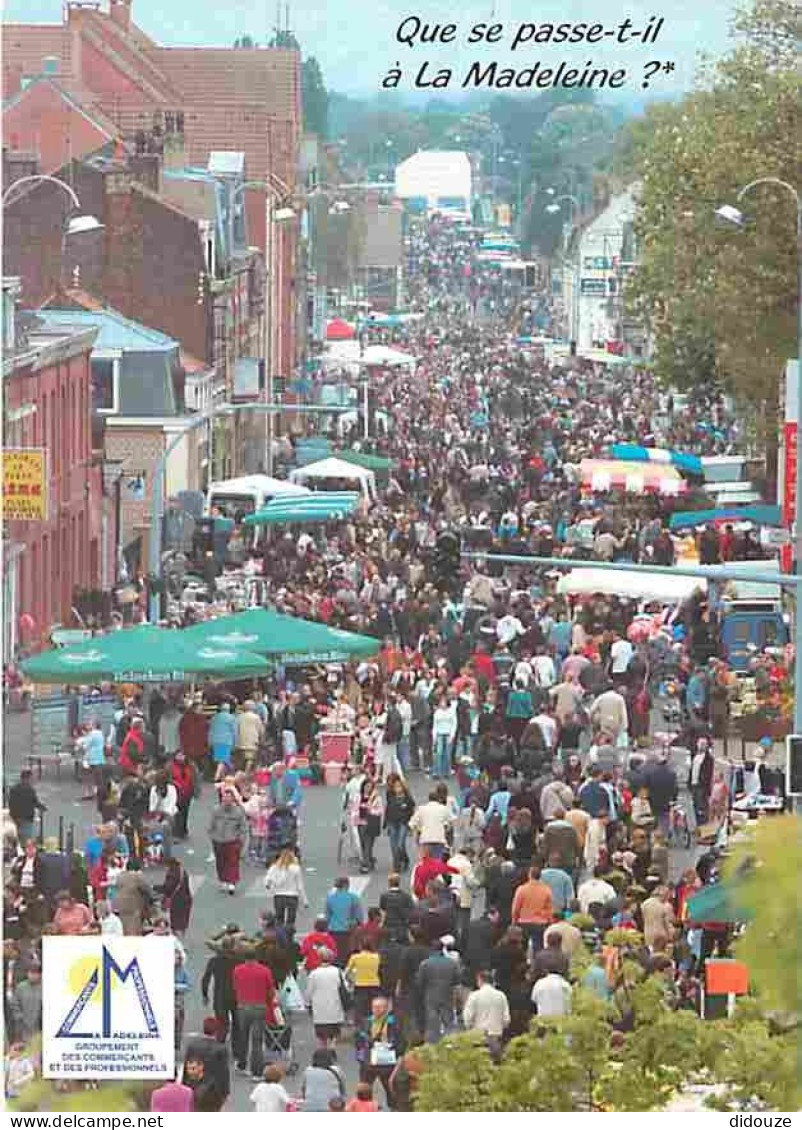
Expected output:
{"points": [[551, 811]]}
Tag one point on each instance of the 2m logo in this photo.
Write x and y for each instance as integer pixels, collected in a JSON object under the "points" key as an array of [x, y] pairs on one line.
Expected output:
{"points": [[103, 978]]}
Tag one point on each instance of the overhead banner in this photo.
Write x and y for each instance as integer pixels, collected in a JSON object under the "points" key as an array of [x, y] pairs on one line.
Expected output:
{"points": [[25, 484]]}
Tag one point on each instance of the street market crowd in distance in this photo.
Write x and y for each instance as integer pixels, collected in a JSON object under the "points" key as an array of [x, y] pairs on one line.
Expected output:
{"points": [[510, 816]]}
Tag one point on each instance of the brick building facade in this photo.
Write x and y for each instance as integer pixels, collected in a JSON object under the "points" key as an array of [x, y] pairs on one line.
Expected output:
{"points": [[47, 404], [247, 100]]}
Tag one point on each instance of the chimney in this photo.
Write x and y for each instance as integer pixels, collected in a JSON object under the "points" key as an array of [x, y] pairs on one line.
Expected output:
{"points": [[174, 151], [120, 12]]}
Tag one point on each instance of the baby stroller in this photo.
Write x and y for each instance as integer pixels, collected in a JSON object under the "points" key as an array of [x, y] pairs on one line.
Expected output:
{"points": [[282, 833], [152, 844], [278, 1044]]}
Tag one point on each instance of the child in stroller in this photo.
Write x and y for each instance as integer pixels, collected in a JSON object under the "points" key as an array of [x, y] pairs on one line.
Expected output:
{"points": [[282, 832]]}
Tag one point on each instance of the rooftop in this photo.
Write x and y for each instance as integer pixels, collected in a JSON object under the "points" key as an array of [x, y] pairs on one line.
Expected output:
{"points": [[114, 331]]}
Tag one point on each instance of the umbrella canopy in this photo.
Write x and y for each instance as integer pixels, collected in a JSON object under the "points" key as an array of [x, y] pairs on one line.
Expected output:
{"points": [[634, 453], [142, 655], [329, 507], [758, 515], [369, 462], [718, 903], [617, 474], [340, 330], [286, 638]]}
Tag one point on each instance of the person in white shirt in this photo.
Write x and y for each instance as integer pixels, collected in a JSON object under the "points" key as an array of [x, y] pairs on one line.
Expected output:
{"points": [[285, 881], [110, 923], [545, 675], [404, 708], [548, 727], [523, 672], [508, 629], [551, 995], [487, 1010], [595, 890], [444, 730], [270, 1097], [621, 653], [430, 822], [162, 809]]}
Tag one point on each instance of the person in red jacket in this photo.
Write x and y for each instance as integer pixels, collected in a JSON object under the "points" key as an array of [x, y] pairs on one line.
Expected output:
{"points": [[426, 869], [184, 775], [255, 993], [132, 751], [318, 939]]}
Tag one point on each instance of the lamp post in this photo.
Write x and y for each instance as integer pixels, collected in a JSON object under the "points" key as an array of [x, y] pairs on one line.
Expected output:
{"points": [[74, 226], [575, 207], [273, 187], [157, 497], [734, 216]]}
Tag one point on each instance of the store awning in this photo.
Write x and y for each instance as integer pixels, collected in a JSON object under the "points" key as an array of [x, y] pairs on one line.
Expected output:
{"points": [[635, 478], [758, 515], [285, 638], [146, 654], [634, 453]]}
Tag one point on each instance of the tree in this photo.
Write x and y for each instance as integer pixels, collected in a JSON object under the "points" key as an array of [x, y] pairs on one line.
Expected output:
{"points": [[722, 303], [574, 1063], [314, 98], [771, 945], [756, 1063], [458, 1074]]}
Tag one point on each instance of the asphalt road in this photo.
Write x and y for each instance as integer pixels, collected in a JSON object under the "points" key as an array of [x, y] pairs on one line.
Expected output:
{"points": [[214, 908]]}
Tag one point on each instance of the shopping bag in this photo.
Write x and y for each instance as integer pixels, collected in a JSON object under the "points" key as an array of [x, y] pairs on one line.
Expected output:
{"points": [[291, 996]]}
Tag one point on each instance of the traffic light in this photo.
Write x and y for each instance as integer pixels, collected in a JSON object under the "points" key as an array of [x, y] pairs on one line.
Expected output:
{"points": [[447, 559], [279, 386]]}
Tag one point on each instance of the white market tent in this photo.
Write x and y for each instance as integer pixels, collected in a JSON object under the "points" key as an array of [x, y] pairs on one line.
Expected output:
{"points": [[265, 485], [351, 353], [440, 176], [631, 586], [337, 469]]}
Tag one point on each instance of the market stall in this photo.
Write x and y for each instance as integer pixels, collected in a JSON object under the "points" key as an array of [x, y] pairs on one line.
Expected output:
{"points": [[336, 472], [618, 474]]}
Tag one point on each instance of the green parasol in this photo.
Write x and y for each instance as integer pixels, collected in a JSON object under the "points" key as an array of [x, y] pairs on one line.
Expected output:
{"points": [[145, 654], [285, 638]]}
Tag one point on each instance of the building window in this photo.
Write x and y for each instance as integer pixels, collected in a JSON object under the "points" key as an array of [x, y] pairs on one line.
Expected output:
{"points": [[105, 384]]}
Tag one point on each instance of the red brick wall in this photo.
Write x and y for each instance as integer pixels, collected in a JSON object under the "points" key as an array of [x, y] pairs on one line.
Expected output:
{"points": [[43, 122], [63, 553], [145, 263]]}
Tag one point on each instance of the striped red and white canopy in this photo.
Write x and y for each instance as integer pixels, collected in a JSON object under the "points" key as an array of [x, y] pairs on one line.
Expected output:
{"points": [[635, 478]]}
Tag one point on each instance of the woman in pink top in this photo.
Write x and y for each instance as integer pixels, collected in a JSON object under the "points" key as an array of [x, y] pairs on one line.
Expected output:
{"points": [[172, 1098]]}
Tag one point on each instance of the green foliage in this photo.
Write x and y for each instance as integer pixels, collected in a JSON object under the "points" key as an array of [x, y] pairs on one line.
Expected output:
{"points": [[314, 98], [458, 1075], [573, 1063], [756, 1067], [721, 302], [770, 946]]}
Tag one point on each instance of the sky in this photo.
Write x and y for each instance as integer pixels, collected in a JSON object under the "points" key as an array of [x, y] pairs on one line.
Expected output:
{"points": [[355, 43]]}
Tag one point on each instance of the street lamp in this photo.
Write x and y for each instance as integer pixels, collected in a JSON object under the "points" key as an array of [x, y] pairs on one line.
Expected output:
{"points": [[734, 215], [76, 225], [553, 208], [273, 187]]}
